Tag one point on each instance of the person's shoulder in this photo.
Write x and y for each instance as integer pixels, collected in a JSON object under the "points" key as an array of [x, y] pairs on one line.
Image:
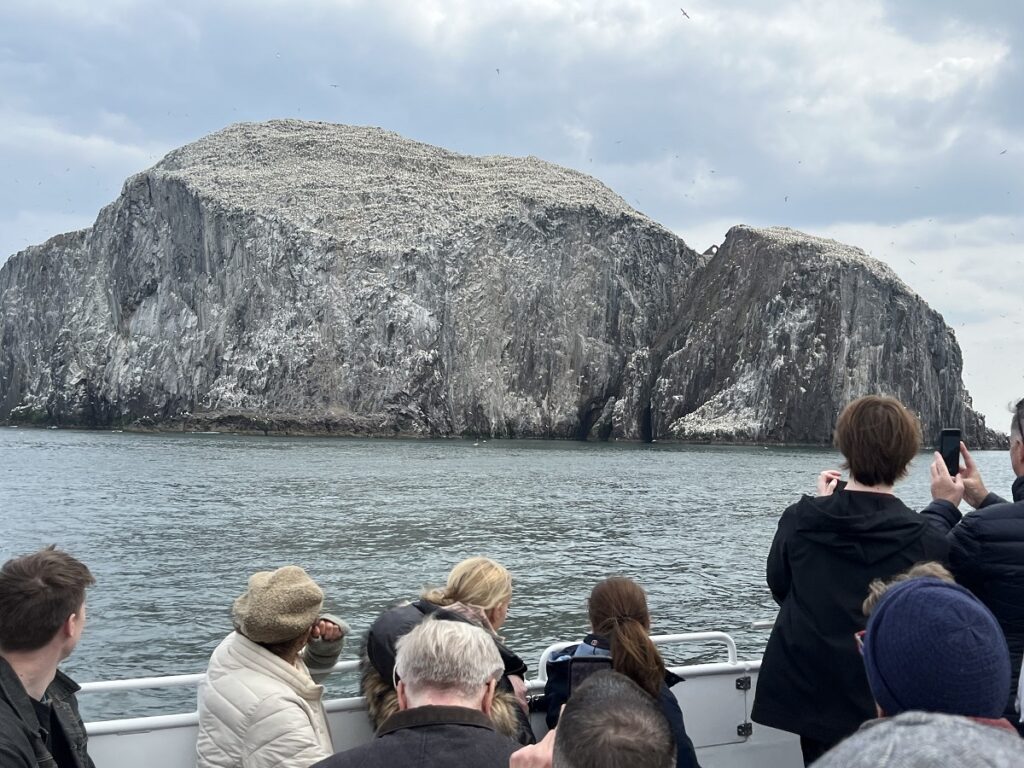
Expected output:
{"points": [[1003, 520]]}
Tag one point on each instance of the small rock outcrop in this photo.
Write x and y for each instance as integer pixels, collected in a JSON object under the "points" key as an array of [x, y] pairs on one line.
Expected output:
{"points": [[316, 278]]}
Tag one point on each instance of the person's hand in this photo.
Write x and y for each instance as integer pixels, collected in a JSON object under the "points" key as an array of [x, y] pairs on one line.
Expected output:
{"points": [[536, 755], [827, 481], [327, 631], [945, 486], [974, 489]]}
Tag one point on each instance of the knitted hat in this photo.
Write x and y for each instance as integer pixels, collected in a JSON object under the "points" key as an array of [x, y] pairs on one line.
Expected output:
{"points": [[933, 646], [278, 605], [926, 740]]}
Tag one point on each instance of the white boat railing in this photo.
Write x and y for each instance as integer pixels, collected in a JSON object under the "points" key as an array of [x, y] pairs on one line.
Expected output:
{"points": [[684, 637], [536, 685]]}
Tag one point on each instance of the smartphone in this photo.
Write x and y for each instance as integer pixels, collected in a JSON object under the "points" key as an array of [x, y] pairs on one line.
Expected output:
{"points": [[949, 447], [582, 667]]}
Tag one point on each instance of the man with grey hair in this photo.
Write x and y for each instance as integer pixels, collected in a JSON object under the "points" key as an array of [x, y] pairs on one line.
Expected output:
{"points": [[986, 551], [446, 675]]}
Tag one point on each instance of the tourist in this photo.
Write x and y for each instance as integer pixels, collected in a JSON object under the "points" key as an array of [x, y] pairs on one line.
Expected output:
{"points": [[620, 623], [987, 546], [447, 674], [609, 722], [260, 706], [926, 740], [42, 616], [933, 646], [826, 551], [478, 591]]}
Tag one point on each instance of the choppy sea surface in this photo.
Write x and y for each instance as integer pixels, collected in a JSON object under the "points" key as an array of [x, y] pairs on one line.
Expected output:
{"points": [[172, 525]]}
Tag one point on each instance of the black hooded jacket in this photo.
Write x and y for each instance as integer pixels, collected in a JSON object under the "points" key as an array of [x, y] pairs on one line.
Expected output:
{"points": [[825, 553], [986, 555]]}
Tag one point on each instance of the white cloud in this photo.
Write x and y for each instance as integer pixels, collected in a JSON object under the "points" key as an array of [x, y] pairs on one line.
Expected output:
{"points": [[43, 136]]}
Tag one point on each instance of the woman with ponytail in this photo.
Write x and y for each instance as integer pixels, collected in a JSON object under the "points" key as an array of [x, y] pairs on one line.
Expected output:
{"points": [[620, 625]]}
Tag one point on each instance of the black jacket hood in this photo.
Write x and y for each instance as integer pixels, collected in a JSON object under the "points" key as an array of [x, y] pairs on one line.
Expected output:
{"points": [[859, 526]]}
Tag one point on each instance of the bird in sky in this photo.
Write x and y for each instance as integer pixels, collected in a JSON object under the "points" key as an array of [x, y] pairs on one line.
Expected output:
{"points": [[685, 13], [1003, 152]]}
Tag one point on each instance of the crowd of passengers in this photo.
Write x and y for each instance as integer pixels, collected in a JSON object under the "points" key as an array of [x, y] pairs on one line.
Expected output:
{"points": [[898, 642]]}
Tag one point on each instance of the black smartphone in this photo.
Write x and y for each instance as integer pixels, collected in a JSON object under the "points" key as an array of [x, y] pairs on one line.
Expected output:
{"points": [[949, 447], [583, 667]]}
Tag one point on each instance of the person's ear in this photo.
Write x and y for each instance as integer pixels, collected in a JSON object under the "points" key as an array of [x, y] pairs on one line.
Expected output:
{"points": [[487, 705], [403, 697]]}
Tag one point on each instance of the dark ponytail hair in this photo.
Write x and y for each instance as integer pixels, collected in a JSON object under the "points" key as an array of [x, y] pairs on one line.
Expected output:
{"points": [[618, 612]]}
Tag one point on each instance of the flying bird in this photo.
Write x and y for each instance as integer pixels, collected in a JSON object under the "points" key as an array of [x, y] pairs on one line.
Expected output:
{"points": [[1003, 152], [685, 13]]}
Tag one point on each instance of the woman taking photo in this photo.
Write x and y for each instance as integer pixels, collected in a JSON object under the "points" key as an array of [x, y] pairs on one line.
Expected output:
{"points": [[827, 550], [620, 626]]}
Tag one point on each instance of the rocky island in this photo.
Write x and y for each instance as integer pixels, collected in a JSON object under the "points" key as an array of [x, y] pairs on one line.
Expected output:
{"points": [[297, 277]]}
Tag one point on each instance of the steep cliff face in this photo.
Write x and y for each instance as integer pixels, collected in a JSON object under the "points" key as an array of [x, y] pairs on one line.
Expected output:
{"points": [[782, 329], [325, 277], [293, 276]]}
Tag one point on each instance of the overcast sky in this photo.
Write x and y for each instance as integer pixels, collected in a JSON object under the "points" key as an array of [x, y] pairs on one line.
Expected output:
{"points": [[896, 126]]}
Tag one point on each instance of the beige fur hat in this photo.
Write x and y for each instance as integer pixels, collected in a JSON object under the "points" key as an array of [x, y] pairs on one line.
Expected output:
{"points": [[278, 605]]}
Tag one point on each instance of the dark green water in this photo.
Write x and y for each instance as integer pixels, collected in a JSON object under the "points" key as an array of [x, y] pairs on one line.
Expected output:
{"points": [[171, 525]]}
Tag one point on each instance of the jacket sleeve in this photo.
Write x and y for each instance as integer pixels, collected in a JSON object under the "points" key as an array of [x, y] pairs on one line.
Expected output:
{"points": [[779, 575], [281, 736], [321, 655], [964, 547], [942, 515], [992, 498]]}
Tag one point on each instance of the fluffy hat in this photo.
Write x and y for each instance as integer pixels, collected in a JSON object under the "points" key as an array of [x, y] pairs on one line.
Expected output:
{"points": [[934, 646], [278, 605]]}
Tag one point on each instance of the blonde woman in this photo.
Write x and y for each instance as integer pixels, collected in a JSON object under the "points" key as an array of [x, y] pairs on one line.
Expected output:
{"points": [[478, 591]]}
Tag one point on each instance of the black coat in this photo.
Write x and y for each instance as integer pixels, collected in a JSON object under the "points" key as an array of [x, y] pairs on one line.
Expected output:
{"points": [[986, 554], [23, 738], [425, 737], [825, 553]]}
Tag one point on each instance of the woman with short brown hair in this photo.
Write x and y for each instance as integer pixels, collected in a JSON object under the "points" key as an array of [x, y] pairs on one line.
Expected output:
{"points": [[827, 550]]}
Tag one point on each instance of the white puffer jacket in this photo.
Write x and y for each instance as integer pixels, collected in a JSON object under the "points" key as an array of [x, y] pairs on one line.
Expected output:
{"points": [[258, 711]]}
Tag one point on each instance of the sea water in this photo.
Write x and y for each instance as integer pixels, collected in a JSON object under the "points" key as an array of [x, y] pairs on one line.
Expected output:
{"points": [[172, 524]]}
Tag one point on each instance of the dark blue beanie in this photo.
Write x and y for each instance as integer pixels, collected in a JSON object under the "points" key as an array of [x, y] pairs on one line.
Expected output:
{"points": [[933, 646]]}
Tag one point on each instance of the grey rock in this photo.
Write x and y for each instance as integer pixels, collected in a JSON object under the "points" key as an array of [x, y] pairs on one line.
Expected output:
{"points": [[316, 278]]}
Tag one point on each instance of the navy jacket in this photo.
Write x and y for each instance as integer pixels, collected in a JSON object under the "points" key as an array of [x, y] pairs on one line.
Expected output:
{"points": [[825, 553], [429, 737], [986, 554], [23, 737]]}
